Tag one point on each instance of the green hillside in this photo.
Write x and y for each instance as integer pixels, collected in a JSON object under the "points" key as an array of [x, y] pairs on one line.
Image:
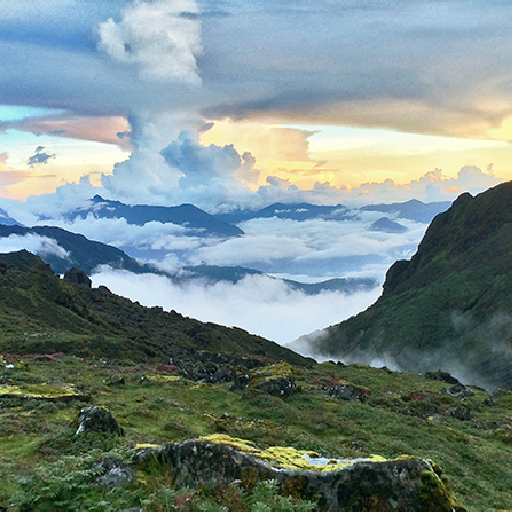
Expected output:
{"points": [[41, 312], [450, 306]]}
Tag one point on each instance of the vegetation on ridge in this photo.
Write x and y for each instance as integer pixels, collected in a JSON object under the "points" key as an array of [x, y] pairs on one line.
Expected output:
{"points": [[450, 306]]}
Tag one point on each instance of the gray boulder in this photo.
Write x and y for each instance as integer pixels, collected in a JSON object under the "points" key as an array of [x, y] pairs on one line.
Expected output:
{"points": [[99, 419]]}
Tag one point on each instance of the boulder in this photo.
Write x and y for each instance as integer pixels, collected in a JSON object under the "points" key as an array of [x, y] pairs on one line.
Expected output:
{"points": [[411, 484], [276, 379], [97, 418], [443, 376], [347, 391], [458, 391]]}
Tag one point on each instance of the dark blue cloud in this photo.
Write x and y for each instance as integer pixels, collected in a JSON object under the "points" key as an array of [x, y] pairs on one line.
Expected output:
{"points": [[39, 157]]}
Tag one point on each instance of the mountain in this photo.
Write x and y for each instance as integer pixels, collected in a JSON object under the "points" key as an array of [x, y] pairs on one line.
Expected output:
{"points": [[6, 220], [81, 252], [413, 210], [387, 225], [215, 273], [449, 307], [184, 215], [41, 312], [295, 211]]}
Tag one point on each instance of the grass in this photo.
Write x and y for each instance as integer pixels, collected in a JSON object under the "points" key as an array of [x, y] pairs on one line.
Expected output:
{"points": [[405, 414]]}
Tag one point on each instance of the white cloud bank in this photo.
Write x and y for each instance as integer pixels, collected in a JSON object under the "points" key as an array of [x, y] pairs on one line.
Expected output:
{"points": [[40, 245], [258, 304]]}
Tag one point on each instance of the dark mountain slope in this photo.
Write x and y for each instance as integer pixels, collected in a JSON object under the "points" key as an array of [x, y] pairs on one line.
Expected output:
{"points": [[83, 253], [450, 306], [39, 312]]}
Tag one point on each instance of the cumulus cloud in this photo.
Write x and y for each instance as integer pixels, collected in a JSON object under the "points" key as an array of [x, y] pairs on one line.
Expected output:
{"points": [[258, 304], [160, 37], [36, 244], [182, 171]]}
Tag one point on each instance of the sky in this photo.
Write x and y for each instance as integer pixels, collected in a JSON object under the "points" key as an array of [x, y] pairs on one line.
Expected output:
{"points": [[331, 97], [241, 104]]}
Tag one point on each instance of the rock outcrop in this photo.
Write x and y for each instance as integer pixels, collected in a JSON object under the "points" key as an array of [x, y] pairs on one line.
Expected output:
{"points": [[410, 484], [97, 418]]}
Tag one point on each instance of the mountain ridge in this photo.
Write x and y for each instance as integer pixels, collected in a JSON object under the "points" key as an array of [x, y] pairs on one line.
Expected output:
{"points": [[448, 307], [61, 315]]}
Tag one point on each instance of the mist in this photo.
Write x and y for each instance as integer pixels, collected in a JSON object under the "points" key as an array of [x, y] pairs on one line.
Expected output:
{"points": [[258, 304]]}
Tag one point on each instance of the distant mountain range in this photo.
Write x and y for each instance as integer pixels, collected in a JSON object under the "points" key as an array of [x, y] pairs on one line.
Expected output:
{"points": [[295, 211], [449, 307], [88, 255], [6, 220], [184, 215], [215, 273], [413, 210]]}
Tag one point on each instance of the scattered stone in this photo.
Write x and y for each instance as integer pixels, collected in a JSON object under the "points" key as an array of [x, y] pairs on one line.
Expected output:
{"points": [[276, 380], [116, 380], [491, 401], [458, 391], [113, 473], [99, 419]]}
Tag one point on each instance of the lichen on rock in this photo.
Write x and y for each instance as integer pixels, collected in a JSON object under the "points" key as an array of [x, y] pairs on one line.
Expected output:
{"points": [[406, 483]]}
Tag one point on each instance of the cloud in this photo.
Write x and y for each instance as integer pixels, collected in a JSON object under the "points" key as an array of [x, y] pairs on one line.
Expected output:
{"points": [[432, 186], [159, 37], [182, 171], [36, 244], [103, 129], [39, 157], [256, 303], [425, 67]]}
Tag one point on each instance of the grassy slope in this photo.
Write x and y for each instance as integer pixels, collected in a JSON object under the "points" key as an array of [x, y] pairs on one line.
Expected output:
{"points": [[405, 414], [41, 312], [450, 306]]}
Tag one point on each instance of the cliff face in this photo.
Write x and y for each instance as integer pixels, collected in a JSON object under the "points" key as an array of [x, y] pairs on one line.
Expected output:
{"points": [[450, 306]]}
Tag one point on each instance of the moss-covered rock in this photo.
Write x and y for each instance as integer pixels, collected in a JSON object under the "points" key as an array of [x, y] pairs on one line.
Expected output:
{"points": [[406, 483], [276, 379]]}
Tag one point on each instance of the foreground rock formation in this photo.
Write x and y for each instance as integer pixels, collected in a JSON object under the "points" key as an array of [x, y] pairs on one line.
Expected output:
{"points": [[407, 484]]}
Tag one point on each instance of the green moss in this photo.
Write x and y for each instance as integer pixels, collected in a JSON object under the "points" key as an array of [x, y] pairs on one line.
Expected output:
{"points": [[285, 457], [162, 378], [42, 390]]}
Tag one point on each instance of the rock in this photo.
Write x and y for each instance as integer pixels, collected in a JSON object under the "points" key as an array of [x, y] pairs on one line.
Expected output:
{"points": [[491, 401], [98, 419], [462, 412], [444, 376], [78, 276], [276, 380], [113, 473], [349, 392], [458, 391], [410, 484]]}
